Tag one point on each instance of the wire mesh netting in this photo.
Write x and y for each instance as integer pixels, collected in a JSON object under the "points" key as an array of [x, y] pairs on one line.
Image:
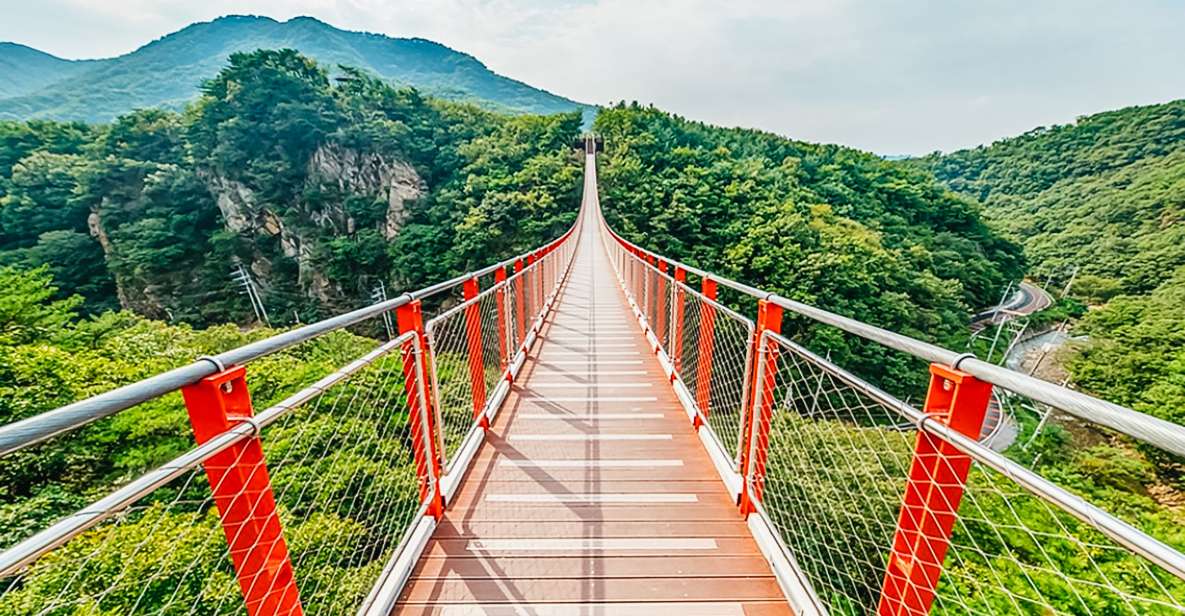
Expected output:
{"points": [[471, 349], [711, 359], [346, 490], [832, 479]]}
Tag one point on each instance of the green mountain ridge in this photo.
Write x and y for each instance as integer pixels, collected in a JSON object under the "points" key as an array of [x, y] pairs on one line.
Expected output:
{"points": [[168, 72], [1104, 195]]}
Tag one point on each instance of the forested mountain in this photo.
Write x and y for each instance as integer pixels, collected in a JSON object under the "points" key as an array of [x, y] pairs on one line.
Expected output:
{"points": [[24, 69], [168, 72], [1105, 195], [320, 191], [844, 230]]}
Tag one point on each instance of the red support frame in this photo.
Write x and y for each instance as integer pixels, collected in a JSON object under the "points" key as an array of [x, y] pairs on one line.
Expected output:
{"points": [[417, 380], [754, 453], [500, 298], [660, 316], [707, 338], [532, 285], [477, 371], [677, 325], [519, 299], [540, 277], [243, 494], [937, 479]]}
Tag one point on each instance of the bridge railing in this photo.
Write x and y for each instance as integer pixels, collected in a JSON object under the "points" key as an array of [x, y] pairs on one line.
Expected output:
{"points": [[870, 505], [317, 503]]}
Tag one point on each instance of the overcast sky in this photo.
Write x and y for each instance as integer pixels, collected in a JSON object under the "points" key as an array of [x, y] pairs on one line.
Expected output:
{"points": [[891, 76]]}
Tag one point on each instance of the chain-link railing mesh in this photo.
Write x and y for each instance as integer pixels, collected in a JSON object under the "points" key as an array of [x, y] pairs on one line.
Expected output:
{"points": [[832, 479], [711, 360], [475, 329], [343, 474]]}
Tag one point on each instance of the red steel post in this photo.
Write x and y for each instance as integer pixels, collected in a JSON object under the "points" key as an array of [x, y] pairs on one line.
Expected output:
{"points": [[410, 318], [500, 299], [937, 478], [677, 325], [519, 298], [243, 494], [477, 372], [660, 305], [541, 279], [755, 444], [707, 336], [532, 274]]}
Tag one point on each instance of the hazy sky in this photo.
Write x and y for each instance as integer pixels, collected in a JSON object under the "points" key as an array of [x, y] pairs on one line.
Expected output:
{"points": [[892, 76]]}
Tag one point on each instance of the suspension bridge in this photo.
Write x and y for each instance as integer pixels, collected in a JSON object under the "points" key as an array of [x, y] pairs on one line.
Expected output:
{"points": [[589, 428]]}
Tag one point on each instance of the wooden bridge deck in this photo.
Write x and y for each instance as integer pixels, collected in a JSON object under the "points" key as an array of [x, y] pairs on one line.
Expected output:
{"points": [[592, 493]]}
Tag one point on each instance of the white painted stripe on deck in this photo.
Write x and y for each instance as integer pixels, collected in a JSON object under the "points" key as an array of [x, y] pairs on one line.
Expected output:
{"points": [[590, 353], [592, 609], [591, 360], [598, 337], [588, 374], [589, 437], [592, 398], [596, 463], [596, 344], [589, 416], [594, 497], [533, 385], [660, 544]]}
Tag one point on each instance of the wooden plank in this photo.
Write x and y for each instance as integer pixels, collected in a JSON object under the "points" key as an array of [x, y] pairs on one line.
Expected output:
{"points": [[574, 506], [598, 567], [716, 608], [528, 590]]}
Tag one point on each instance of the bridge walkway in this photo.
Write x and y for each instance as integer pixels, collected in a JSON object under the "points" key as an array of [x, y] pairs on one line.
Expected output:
{"points": [[592, 493]]}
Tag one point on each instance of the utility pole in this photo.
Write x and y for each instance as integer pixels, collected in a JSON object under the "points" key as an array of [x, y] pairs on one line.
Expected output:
{"points": [[243, 277], [1070, 282], [379, 295]]}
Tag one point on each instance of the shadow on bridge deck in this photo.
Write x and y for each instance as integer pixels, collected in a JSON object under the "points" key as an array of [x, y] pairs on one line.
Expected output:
{"points": [[592, 493]]}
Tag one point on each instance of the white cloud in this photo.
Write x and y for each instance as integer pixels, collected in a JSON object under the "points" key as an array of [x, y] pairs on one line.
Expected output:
{"points": [[894, 76]]}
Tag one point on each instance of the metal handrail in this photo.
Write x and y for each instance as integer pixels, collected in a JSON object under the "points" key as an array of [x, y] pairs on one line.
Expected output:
{"points": [[32, 430], [20, 555], [1163, 434], [1134, 539]]}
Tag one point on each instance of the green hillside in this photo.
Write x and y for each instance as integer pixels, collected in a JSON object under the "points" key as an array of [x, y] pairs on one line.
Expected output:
{"points": [[24, 70], [168, 72], [1105, 195], [872, 239]]}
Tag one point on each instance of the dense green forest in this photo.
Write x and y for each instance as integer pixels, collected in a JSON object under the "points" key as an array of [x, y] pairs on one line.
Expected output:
{"points": [[841, 229], [1101, 203], [885, 243], [116, 247], [1099, 206], [1105, 196], [321, 191], [167, 73]]}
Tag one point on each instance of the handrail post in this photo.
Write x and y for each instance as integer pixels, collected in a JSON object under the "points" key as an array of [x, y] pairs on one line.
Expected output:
{"points": [[529, 279], [937, 477], [543, 282], [477, 372], [660, 296], [519, 299], [242, 491], [676, 344], [417, 381], [707, 335], [760, 405], [504, 344]]}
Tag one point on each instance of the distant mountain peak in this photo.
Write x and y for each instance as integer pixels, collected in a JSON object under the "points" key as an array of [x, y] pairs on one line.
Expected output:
{"points": [[167, 72]]}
